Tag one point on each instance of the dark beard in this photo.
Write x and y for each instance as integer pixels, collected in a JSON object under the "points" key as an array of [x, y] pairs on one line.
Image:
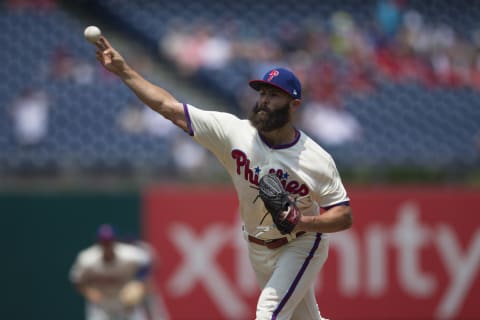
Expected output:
{"points": [[271, 120]]}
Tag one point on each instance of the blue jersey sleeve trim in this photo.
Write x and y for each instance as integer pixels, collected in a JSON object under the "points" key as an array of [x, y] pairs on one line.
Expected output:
{"points": [[189, 121], [344, 203]]}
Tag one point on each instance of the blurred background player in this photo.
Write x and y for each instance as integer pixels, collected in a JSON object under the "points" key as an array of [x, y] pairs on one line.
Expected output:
{"points": [[113, 277]]}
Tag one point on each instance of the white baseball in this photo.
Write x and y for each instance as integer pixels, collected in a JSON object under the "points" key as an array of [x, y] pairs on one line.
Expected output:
{"points": [[92, 33]]}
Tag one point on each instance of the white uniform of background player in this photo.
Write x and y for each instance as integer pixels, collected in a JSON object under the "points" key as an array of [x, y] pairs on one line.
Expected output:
{"points": [[104, 277], [285, 274], [286, 266]]}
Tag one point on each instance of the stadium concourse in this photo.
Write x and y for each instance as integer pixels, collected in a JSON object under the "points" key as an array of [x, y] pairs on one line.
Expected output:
{"points": [[396, 83]]}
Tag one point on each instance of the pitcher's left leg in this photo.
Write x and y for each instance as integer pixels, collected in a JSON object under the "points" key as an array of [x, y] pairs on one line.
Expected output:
{"points": [[307, 308], [293, 277]]}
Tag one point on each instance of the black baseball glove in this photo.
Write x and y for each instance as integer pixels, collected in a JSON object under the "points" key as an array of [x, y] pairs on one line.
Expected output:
{"points": [[279, 203]]}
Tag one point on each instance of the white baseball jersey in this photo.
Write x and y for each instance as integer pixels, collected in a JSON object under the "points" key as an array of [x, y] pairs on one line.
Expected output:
{"points": [[305, 168], [109, 278], [287, 274]]}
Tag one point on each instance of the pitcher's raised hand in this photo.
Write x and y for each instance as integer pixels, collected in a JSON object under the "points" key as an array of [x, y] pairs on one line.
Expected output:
{"points": [[109, 57]]}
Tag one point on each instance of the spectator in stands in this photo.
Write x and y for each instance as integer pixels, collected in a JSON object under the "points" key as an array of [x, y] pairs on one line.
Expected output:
{"points": [[388, 16], [30, 115], [190, 160], [136, 118], [66, 67], [130, 118], [196, 47], [329, 125]]}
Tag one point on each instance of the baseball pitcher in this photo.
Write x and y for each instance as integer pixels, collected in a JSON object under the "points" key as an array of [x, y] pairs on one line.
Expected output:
{"points": [[289, 190]]}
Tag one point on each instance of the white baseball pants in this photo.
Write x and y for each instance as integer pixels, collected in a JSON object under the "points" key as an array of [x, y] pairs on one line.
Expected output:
{"points": [[287, 277]]}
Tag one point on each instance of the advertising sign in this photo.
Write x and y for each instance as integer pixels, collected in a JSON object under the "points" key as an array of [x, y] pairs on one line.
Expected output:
{"points": [[413, 253]]}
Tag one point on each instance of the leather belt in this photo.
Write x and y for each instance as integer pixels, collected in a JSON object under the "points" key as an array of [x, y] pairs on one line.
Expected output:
{"points": [[274, 243]]}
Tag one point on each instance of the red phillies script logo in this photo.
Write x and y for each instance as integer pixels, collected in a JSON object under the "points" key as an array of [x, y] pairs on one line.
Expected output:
{"points": [[252, 175], [272, 74], [408, 255]]}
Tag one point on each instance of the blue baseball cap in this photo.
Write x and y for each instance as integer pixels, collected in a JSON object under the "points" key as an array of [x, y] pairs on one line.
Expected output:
{"points": [[106, 232], [282, 79]]}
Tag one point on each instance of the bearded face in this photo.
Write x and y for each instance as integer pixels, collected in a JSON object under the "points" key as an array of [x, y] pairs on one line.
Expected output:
{"points": [[266, 120]]}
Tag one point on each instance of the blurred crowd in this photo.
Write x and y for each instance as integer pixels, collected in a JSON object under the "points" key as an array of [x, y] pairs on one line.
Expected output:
{"points": [[335, 59], [339, 56], [368, 70]]}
